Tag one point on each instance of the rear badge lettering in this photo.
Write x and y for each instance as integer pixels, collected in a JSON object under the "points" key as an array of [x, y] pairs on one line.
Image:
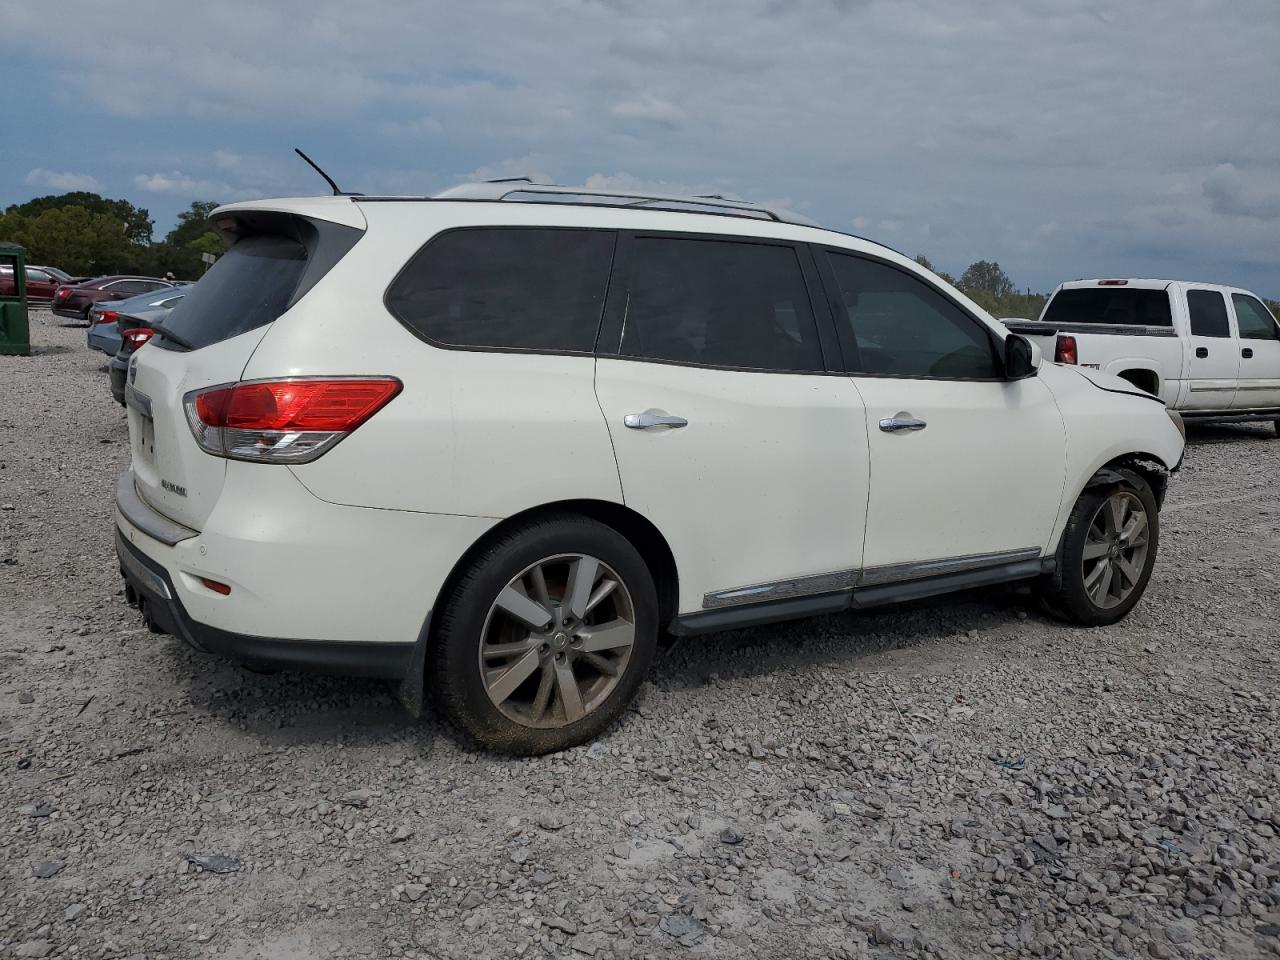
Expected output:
{"points": [[173, 488]]}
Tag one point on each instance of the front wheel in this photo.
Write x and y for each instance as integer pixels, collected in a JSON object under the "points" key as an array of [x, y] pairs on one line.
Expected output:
{"points": [[546, 637], [1108, 552]]}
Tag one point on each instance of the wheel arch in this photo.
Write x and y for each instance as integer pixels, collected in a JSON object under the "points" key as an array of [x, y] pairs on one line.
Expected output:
{"points": [[1143, 377], [639, 531], [1150, 467]]}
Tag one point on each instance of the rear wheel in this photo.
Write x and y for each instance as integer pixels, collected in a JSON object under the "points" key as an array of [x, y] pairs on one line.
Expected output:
{"points": [[1108, 552], [546, 637]]}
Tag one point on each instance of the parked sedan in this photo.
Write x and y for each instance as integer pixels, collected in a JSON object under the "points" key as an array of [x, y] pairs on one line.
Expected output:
{"points": [[104, 331], [75, 301], [41, 283]]}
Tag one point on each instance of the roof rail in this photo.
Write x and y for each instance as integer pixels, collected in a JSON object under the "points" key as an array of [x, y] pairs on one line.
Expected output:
{"points": [[506, 188]]}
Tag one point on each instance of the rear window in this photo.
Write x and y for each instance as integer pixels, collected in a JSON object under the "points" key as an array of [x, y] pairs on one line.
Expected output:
{"points": [[249, 287], [508, 288], [276, 260], [1115, 306]]}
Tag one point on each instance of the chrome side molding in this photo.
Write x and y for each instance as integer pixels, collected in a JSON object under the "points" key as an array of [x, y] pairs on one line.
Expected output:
{"points": [[897, 572], [841, 580]]}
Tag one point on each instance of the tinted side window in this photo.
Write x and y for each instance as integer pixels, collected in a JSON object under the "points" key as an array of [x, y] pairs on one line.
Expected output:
{"points": [[720, 303], [509, 287], [1208, 314], [1254, 320], [903, 327], [131, 287]]}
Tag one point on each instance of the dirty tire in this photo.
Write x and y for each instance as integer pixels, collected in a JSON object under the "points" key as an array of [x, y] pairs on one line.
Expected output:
{"points": [[1063, 594], [454, 676]]}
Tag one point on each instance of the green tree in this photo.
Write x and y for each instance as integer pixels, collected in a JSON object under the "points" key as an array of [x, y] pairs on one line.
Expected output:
{"points": [[193, 224], [925, 262], [180, 251], [986, 277], [75, 239], [136, 221]]}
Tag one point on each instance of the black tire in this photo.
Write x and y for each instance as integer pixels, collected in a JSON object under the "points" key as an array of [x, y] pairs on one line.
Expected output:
{"points": [[1063, 593], [1276, 424], [454, 677]]}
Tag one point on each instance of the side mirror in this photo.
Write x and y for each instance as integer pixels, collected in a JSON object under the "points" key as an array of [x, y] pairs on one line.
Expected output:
{"points": [[1021, 357]]}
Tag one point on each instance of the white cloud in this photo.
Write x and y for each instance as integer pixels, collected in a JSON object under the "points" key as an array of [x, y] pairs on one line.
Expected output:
{"points": [[1230, 193], [40, 177], [649, 109], [179, 184]]}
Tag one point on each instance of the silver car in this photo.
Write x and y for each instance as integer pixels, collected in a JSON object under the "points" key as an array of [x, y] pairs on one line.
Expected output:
{"points": [[104, 334]]}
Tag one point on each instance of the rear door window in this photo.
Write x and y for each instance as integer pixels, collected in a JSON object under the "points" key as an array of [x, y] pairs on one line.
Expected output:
{"points": [[1254, 321], [507, 288], [1113, 306], [719, 303], [1208, 312]]}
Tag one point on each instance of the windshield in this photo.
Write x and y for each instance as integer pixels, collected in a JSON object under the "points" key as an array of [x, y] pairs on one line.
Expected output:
{"points": [[1117, 306]]}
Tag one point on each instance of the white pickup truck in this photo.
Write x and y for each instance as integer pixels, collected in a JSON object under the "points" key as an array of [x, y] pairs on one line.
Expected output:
{"points": [[1208, 351]]}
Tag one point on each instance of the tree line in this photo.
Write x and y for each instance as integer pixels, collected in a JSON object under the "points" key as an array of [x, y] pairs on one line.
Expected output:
{"points": [[89, 235]]}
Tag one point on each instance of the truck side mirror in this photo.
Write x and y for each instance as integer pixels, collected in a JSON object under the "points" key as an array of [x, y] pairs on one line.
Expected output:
{"points": [[1021, 357]]}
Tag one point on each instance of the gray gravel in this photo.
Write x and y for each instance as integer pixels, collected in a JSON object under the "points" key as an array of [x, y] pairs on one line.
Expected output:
{"points": [[952, 779]]}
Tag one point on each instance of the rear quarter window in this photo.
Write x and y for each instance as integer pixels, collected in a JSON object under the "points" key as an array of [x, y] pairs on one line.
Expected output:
{"points": [[507, 288], [1112, 306]]}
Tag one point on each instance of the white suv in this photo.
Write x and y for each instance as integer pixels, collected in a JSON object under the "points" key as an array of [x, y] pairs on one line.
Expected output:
{"points": [[491, 448]]}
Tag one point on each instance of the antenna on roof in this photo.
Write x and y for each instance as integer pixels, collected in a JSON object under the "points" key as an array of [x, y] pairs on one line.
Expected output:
{"points": [[327, 179]]}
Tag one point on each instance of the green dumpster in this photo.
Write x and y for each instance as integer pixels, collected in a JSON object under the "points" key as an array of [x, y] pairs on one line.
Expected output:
{"points": [[15, 333]]}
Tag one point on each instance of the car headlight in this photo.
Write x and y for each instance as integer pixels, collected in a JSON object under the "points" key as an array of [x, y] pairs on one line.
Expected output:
{"points": [[1178, 422]]}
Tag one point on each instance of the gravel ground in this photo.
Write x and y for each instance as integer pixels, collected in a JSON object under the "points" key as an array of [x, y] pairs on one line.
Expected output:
{"points": [[957, 778]]}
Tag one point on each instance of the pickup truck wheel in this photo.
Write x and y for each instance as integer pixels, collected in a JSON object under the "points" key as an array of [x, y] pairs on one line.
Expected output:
{"points": [[546, 637], [1107, 554]]}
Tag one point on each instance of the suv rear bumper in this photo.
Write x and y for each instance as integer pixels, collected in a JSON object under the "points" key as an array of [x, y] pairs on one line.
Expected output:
{"points": [[313, 585], [149, 587]]}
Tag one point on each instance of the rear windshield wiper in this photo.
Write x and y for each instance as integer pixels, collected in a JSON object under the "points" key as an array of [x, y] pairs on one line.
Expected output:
{"points": [[168, 334]]}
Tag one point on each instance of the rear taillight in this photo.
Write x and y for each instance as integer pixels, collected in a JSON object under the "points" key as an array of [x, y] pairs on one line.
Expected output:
{"points": [[136, 337], [1065, 351], [106, 316], [283, 421], [62, 293]]}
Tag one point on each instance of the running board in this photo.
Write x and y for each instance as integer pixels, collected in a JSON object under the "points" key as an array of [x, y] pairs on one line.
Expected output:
{"points": [[856, 598], [1190, 416]]}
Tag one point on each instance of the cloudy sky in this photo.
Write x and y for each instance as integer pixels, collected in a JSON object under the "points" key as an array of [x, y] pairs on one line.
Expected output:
{"points": [[1063, 139]]}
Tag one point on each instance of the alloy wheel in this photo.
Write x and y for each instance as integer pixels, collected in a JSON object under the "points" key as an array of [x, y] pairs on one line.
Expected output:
{"points": [[556, 641], [1115, 549]]}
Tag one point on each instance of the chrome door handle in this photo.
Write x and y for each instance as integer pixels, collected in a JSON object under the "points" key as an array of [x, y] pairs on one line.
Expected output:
{"points": [[899, 424], [643, 421]]}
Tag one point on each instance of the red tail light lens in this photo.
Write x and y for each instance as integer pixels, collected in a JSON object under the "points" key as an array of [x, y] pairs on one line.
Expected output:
{"points": [[135, 338], [62, 293], [217, 586], [106, 316], [1065, 351], [284, 421]]}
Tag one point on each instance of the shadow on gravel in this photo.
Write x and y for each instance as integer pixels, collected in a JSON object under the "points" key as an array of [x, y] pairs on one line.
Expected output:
{"points": [[293, 708], [47, 349], [1201, 434], [297, 708], [846, 638]]}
